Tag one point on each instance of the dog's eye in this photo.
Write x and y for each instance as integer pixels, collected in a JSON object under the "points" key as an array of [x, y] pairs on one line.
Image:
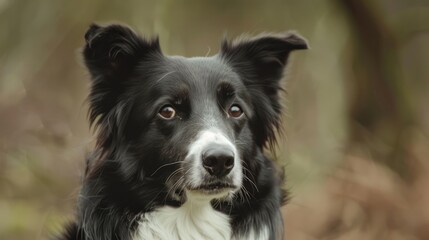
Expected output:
{"points": [[235, 111], [167, 112]]}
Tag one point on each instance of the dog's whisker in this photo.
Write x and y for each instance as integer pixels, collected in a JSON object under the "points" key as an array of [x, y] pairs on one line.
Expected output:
{"points": [[165, 165], [173, 173]]}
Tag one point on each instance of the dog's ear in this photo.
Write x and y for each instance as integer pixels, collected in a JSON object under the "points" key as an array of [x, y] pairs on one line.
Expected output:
{"points": [[114, 50], [260, 62], [111, 54]]}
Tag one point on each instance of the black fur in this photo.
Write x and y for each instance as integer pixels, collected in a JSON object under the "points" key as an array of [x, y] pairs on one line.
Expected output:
{"points": [[131, 79]]}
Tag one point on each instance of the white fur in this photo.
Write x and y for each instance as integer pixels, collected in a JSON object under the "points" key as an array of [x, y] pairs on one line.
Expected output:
{"points": [[263, 235], [194, 220]]}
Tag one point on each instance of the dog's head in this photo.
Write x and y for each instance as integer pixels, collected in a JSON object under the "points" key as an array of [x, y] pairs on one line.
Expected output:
{"points": [[190, 124]]}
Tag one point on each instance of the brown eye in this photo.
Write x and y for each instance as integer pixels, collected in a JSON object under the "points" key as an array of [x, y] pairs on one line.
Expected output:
{"points": [[235, 111], [167, 112]]}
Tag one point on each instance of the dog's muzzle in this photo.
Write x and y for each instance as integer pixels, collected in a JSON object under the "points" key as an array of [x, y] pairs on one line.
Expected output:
{"points": [[213, 164]]}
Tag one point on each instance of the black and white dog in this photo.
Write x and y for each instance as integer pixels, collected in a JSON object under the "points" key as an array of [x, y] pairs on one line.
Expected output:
{"points": [[180, 141]]}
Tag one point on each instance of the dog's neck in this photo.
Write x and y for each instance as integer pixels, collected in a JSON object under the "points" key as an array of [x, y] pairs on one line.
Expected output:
{"points": [[195, 219]]}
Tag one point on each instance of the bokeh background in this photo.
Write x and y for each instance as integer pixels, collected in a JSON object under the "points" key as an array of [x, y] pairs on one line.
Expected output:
{"points": [[356, 140]]}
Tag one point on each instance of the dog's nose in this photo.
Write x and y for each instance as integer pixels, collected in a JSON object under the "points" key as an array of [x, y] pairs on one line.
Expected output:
{"points": [[218, 160]]}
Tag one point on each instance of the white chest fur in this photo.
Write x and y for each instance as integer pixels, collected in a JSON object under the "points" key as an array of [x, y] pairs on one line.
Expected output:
{"points": [[193, 220]]}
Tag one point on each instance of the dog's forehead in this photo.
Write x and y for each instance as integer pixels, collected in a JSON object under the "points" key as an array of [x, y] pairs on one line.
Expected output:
{"points": [[200, 72]]}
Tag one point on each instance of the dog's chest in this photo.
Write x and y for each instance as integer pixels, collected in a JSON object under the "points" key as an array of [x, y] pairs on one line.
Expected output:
{"points": [[190, 221]]}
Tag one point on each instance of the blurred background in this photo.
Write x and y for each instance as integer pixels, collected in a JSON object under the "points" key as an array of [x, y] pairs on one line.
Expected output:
{"points": [[356, 140]]}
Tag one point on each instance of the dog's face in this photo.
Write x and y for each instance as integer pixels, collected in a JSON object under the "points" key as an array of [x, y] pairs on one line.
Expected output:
{"points": [[190, 124], [193, 115]]}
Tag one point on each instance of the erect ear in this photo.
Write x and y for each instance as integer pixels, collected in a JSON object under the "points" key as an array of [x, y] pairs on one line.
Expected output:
{"points": [[111, 55], [260, 63]]}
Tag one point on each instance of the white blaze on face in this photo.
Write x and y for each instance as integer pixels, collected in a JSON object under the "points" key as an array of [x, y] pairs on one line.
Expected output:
{"points": [[205, 139]]}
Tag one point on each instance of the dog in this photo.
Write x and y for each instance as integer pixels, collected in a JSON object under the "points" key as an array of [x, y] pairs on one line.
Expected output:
{"points": [[180, 141]]}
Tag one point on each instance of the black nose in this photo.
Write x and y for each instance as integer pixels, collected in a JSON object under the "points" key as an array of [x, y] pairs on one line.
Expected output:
{"points": [[218, 160]]}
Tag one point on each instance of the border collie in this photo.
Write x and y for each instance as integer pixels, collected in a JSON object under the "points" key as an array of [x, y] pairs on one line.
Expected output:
{"points": [[179, 151]]}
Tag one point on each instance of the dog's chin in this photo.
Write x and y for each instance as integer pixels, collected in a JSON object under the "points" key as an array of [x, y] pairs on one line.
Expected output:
{"points": [[211, 191]]}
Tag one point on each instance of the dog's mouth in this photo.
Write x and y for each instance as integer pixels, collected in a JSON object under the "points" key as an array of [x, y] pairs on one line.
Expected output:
{"points": [[213, 188]]}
